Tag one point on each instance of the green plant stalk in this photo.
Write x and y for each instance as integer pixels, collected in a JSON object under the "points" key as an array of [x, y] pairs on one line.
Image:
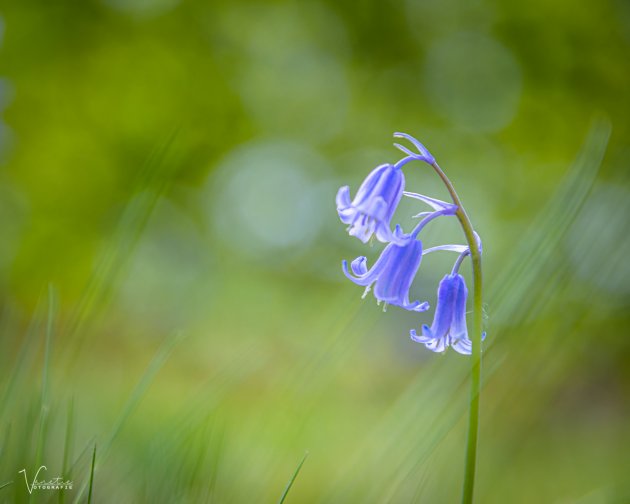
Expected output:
{"points": [[89, 499], [475, 371], [292, 480]]}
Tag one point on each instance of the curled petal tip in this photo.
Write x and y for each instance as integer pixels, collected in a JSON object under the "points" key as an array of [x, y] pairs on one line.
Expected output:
{"points": [[405, 150], [418, 306], [424, 152], [400, 134], [343, 197], [360, 233], [399, 235], [359, 266], [421, 214], [463, 347], [478, 239], [436, 204]]}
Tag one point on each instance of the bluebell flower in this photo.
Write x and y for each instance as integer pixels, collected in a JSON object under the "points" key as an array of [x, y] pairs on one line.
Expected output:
{"points": [[449, 322], [424, 154], [392, 273], [371, 210]]}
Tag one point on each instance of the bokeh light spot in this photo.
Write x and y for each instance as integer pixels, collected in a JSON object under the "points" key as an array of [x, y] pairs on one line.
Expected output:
{"points": [[289, 81], [265, 198], [167, 282], [474, 80]]}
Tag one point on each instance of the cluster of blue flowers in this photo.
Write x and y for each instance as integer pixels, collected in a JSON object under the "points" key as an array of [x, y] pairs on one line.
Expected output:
{"points": [[369, 215]]}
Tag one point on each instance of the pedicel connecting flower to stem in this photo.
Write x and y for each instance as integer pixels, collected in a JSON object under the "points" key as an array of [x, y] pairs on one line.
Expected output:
{"points": [[370, 214]]}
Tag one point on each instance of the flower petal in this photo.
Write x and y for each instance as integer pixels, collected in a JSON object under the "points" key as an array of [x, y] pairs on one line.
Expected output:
{"points": [[376, 208], [384, 235], [462, 346], [458, 324], [422, 337], [343, 198], [424, 152], [371, 275], [433, 344], [417, 306], [451, 248], [411, 155], [395, 280], [362, 227], [447, 291], [369, 185], [436, 204], [418, 338], [344, 207], [363, 280], [478, 238], [359, 266], [374, 204], [437, 345]]}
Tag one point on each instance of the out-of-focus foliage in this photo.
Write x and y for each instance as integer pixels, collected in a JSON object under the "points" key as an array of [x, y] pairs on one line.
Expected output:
{"points": [[167, 179]]}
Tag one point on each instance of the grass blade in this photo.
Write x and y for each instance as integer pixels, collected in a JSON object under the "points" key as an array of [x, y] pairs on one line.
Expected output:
{"points": [[23, 360], [156, 364], [44, 408], [290, 483], [536, 249], [153, 182], [67, 447], [92, 475]]}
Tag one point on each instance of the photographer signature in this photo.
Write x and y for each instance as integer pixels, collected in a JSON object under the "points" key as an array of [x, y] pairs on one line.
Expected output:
{"points": [[53, 484]]}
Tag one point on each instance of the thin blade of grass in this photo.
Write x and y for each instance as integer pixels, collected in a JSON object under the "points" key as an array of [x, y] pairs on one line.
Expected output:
{"points": [[292, 480], [52, 312], [26, 352], [89, 499], [44, 408], [75, 467], [156, 364], [510, 295], [216, 452], [153, 182], [67, 448]]}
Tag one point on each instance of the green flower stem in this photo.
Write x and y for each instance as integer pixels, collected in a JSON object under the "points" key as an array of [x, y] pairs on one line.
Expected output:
{"points": [[475, 372]]}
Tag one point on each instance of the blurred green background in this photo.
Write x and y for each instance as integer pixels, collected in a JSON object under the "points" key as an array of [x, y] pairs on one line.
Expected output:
{"points": [[170, 255]]}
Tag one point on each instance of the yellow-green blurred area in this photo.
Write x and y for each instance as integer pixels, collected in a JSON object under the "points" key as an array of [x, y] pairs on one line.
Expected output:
{"points": [[170, 251]]}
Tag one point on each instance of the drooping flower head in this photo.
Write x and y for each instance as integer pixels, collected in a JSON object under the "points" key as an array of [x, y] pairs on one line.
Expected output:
{"points": [[398, 264], [392, 273], [374, 204], [370, 214], [449, 322]]}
